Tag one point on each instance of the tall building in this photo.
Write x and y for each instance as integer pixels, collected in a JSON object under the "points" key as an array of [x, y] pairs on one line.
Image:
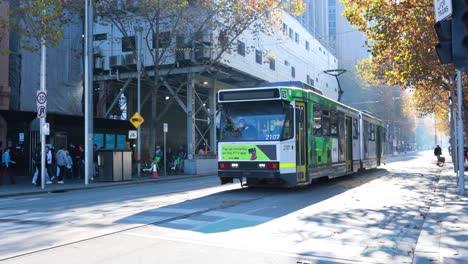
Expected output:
{"points": [[323, 18], [318, 20], [349, 42]]}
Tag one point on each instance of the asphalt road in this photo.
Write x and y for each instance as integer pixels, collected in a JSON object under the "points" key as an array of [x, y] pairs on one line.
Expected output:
{"points": [[374, 217]]}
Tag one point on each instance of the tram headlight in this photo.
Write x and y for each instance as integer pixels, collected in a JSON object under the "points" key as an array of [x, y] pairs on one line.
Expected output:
{"points": [[262, 165], [234, 165]]}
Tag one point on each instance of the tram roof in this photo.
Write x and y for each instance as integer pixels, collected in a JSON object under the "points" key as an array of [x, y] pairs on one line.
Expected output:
{"points": [[308, 91]]}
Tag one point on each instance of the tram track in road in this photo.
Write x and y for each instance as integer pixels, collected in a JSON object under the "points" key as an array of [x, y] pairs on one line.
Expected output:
{"points": [[225, 205], [227, 194]]}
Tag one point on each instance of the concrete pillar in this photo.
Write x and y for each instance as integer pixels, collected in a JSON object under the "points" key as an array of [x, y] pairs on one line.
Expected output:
{"points": [[212, 106], [190, 116], [102, 102], [154, 138]]}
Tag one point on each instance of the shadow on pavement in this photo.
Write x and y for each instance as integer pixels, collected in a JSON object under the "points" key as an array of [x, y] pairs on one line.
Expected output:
{"points": [[247, 207]]}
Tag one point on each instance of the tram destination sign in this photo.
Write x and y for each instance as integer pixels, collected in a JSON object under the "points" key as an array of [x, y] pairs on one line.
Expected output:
{"points": [[249, 95]]}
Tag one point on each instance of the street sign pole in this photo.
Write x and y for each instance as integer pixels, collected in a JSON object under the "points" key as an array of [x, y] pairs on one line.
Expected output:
{"points": [[138, 103], [165, 128], [461, 157], [42, 120]]}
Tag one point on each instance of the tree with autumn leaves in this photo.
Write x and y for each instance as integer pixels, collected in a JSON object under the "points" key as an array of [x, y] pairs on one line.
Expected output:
{"points": [[402, 41]]}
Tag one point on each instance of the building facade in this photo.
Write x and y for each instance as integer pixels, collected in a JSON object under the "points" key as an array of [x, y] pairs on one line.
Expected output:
{"points": [[186, 100], [292, 53]]}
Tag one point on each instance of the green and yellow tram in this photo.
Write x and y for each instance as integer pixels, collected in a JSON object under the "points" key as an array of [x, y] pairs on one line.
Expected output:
{"points": [[289, 136]]}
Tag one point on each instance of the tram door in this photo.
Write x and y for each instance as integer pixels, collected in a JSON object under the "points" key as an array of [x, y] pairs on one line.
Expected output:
{"points": [[378, 142], [301, 142], [349, 143]]}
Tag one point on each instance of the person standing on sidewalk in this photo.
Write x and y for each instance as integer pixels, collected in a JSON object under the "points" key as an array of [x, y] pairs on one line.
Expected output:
{"points": [[61, 158], [6, 161]]}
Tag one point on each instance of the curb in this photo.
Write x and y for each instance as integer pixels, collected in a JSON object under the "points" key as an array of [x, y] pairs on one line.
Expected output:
{"points": [[104, 185]]}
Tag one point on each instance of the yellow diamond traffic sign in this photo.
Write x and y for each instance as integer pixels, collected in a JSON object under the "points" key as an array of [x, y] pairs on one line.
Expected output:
{"points": [[136, 120]]}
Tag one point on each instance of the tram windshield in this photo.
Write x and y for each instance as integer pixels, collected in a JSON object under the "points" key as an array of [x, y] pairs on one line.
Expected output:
{"points": [[256, 121]]}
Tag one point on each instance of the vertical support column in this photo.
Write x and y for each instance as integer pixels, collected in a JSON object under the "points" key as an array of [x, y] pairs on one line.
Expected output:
{"points": [[453, 131], [89, 165], [190, 116], [212, 106], [101, 94], [154, 132]]}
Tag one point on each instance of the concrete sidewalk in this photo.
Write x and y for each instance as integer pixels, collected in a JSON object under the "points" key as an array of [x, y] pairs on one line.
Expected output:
{"points": [[444, 235], [25, 187]]}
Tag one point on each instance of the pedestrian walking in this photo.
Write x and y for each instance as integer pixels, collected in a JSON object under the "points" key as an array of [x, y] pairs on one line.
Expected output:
{"points": [[37, 167], [49, 163], [95, 162], [438, 153], [6, 165], [79, 157], [61, 158], [69, 166]]}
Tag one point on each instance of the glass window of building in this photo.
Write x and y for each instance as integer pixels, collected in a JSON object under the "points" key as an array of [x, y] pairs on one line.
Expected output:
{"points": [[272, 64], [241, 48], [128, 43], [258, 56]]}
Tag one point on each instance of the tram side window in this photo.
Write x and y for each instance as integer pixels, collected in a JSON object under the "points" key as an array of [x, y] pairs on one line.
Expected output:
{"points": [[366, 131], [288, 128], [326, 123], [333, 124], [355, 128], [372, 132], [317, 122], [369, 132]]}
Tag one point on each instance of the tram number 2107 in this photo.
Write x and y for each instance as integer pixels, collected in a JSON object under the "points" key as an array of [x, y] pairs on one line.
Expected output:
{"points": [[272, 137]]}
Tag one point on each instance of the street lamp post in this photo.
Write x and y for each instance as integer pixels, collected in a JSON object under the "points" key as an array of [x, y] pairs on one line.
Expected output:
{"points": [[336, 73]]}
